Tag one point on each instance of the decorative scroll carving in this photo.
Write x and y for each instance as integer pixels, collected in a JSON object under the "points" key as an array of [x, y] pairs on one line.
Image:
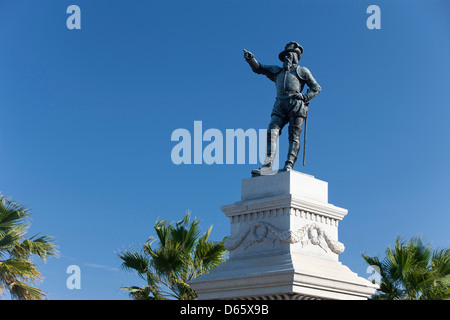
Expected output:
{"points": [[309, 234]]}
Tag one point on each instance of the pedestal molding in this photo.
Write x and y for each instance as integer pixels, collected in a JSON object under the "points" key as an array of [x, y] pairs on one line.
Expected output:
{"points": [[283, 204]]}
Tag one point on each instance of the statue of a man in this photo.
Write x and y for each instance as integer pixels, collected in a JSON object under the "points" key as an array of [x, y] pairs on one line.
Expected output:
{"points": [[291, 104]]}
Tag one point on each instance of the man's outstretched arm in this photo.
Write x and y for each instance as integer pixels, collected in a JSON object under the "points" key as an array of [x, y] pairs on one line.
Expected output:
{"points": [[269, 71], [250, 58]]}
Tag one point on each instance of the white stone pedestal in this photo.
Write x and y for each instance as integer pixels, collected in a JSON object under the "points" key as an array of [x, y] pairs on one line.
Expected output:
{"points": [[283, 244]]}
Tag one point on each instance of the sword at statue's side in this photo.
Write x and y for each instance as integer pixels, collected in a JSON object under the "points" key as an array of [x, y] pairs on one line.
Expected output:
{"points": [[304, 134]]}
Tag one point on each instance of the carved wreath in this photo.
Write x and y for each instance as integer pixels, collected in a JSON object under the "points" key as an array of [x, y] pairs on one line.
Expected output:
{"points": [[309, 234]]}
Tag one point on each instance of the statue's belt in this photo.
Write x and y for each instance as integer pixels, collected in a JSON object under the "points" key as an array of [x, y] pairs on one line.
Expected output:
{"points": [[289, 96]]}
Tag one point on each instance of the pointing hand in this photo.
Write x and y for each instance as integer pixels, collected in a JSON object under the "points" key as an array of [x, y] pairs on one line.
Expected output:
{"points": [[248, 55]]}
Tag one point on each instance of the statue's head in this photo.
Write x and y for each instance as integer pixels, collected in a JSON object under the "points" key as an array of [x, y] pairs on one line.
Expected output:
{"points": [[290, 60], [292, 51]]}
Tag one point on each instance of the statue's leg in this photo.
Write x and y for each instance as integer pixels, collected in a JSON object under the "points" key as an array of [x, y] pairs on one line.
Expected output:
{"points": [[295, 129], [273, 132]]}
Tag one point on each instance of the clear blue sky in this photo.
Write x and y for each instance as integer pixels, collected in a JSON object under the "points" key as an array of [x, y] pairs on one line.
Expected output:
{"points": [[87, 116]]}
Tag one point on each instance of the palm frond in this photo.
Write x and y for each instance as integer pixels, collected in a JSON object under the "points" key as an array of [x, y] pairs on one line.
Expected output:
{"points": [[21, 269], [23, 291], [143, 293], [440, 261], [43, 247], [134, 261], [16, 252], [180, 254], [412, 270], [11, 212]]}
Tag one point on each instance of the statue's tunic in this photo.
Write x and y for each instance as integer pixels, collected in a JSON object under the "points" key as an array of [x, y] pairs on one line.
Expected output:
{"points": [[289, 83]]}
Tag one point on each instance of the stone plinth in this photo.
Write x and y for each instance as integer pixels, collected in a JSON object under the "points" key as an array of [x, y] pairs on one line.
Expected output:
{"points": [[283, 244]]}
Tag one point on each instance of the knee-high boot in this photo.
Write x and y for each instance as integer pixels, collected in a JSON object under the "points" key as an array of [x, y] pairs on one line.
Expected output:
{"points": [[295, 128], [271, 150]]}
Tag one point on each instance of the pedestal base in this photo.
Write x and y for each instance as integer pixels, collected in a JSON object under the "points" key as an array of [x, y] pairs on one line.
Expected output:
{"points": [[288, 276], [283, 244]]}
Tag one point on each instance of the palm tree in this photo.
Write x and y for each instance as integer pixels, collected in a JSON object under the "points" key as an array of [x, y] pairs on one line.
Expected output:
{"points": [[182, 254], [412, 271], [17, 272]]}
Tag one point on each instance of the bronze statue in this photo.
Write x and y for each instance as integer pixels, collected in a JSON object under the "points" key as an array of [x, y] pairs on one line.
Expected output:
{"points": [[291, 105]]}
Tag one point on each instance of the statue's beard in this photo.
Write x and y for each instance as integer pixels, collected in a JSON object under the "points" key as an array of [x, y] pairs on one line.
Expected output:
{"points": [[288, 63]]}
